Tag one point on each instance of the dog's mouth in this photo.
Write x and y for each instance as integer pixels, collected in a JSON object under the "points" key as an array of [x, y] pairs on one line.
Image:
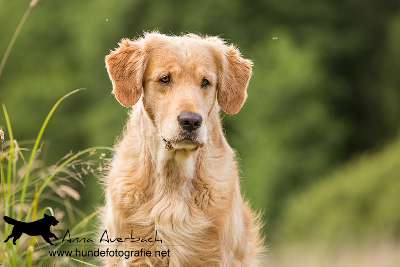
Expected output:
{"points": [[182, 142]]}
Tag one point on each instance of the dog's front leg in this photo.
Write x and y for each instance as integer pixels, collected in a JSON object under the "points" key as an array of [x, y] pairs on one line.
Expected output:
{"points": [[53, 235], [47, 238]]}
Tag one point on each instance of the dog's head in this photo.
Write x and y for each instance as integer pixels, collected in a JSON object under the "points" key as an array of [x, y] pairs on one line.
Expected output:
{"points": [[51, 219], [181, 79]]}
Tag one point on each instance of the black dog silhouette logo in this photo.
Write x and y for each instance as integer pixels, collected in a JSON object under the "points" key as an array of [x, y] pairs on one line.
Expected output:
{"points": [[39, 227]]}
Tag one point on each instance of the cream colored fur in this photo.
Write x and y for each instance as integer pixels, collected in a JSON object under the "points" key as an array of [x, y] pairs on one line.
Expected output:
{"points": [[191, 196]]}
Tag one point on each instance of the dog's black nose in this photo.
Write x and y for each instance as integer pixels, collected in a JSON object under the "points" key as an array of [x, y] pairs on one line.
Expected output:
{"points": [[189, 121]]}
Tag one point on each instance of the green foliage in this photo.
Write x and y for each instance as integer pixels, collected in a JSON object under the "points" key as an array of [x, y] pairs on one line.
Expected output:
{"points": [[290, 134], [357, 202]]}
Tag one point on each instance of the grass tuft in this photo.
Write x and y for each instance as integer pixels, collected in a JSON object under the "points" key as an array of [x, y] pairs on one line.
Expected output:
{"points": [[29, 188]]}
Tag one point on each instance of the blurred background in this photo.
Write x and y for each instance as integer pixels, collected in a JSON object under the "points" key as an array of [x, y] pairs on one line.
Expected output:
{"points": [[318, 140]]}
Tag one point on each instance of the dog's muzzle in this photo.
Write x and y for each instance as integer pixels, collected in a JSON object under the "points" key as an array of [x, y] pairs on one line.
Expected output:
{"points": [[189, 123]]}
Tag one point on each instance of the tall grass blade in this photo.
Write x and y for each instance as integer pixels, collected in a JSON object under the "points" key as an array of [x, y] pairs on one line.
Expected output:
{"points": [[37, 144], [17, 31], [11, 163]]}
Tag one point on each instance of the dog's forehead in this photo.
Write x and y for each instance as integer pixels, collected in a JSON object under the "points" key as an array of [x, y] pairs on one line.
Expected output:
{"points": [[181, 51]]}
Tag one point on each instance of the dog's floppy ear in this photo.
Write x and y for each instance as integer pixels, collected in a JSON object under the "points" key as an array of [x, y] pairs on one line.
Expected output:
{"points": [[234, 78], [125, 66]]}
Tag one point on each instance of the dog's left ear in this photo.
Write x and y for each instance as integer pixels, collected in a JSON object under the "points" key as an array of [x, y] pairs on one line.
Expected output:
{"points": [[45, 215], [235, 75], [125, 66]]}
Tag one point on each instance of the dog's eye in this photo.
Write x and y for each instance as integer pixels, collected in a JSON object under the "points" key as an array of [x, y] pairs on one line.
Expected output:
{"points": [[165, 79], [205, 83]]}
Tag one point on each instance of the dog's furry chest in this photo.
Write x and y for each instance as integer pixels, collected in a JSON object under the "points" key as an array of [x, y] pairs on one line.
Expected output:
{"points": [[182, 224], [186, 202]]}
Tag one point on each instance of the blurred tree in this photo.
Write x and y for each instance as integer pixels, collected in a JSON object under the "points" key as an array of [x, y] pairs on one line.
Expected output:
{"points": [[286, 133]]}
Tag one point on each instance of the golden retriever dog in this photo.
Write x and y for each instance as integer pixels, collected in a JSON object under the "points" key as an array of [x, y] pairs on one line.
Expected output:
{"points": [[173, 185]]}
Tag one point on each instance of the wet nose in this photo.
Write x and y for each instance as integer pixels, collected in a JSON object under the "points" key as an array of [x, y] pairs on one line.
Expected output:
{"points": [[189, 121]]}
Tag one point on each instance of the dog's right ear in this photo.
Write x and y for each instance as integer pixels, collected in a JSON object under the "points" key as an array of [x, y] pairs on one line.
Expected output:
{"points": [[125, 66]]}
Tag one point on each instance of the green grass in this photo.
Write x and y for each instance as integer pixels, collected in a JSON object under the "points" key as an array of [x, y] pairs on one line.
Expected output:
{"points": [[30, 187]]}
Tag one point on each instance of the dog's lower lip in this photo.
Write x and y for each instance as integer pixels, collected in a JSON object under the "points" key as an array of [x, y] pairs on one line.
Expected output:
{"points": [[186, 141], [181, 144]]}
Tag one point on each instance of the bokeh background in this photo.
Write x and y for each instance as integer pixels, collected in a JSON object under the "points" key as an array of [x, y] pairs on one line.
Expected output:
{"points": [[318, 140]]}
